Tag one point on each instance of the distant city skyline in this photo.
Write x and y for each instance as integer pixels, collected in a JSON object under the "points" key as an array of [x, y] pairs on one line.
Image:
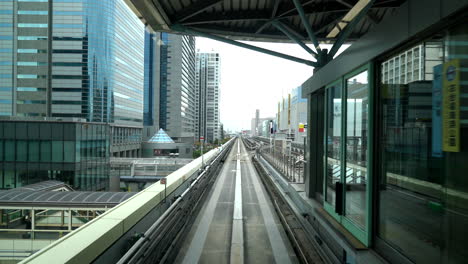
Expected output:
{"points": [[252, 80]]}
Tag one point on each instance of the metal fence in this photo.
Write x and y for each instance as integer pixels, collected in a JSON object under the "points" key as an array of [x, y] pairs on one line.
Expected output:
{"points": [[289, 164]]}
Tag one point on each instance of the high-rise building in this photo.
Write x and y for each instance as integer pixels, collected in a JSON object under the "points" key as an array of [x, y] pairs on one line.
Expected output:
{"points": [[207, 96], [151, 84], [78, 62], [170, 89], [292, 112]]}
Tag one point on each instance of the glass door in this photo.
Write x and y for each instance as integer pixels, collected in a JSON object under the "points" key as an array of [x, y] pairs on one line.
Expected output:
{"points": [[347, 145], [333, 140]]}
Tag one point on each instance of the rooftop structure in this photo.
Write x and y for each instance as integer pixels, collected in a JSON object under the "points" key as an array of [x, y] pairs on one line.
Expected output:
{"points": [[161, 137]]}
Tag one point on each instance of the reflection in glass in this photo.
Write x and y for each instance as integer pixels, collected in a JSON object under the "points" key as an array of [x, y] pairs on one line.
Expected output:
{"points": [[333, 141], [356, 148], [423, 188]]}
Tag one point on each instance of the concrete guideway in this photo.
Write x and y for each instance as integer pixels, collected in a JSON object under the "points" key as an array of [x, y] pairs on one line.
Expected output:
{"points": [[237, 223], [237, 237]]}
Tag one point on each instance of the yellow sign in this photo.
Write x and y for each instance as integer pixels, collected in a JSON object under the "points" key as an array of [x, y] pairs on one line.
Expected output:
{"points": [[301, 127], [451, 106]]}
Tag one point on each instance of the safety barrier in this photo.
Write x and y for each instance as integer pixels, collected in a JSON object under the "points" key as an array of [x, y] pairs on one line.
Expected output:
{"points": [[94, 238]]}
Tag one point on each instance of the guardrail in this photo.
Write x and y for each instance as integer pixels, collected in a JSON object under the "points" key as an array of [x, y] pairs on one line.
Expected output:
{"points": [[289, 165], [96, 237]]}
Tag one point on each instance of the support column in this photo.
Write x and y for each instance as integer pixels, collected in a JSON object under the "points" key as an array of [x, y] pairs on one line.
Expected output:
{"points": [[33, 223], [69, 220]]}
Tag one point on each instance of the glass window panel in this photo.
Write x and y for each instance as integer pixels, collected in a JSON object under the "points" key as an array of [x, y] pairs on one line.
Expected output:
{"points": [[9, 178], [21, 150], [21, 131], [9, 130], [78, 151], [57, 131], [69, 151], [33, 130], [46, 153], [57, 151], [356, 147], [9, 150], [33, 151], [333, 141], [45, 130], [22, 178]]}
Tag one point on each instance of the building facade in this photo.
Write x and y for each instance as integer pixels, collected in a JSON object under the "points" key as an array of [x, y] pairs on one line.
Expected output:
{"points": [[78, 60], [169, 101], [207, 96], [292, 111], [76, 153]]}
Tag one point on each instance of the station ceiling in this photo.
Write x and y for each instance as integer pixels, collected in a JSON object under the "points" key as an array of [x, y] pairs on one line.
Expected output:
{"points": [[252, 19]]}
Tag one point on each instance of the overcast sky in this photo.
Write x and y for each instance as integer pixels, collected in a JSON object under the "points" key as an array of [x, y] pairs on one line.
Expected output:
{"points": [[252, 80]]}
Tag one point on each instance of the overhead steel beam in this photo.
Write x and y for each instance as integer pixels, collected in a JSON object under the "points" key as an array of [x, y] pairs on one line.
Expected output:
{"points": [[350, 27], [275, 9], [325, 26], [185, 30], [332, 6], [370, 15], [270, 36], [191, 23], [262, 27], [357, 8], [292, 10], [307, 26], [227, 17], [195, 9], [151, 13], [272, 16], [293, 30], [288, 33]]}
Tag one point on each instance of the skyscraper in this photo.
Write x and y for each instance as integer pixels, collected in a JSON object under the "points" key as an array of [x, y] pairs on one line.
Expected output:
{"points": [[170, 88], [207, 96], [81, 59], [79, 62], [151, 84]]}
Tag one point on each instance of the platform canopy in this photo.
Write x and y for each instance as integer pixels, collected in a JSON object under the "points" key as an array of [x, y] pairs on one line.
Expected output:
{"points": [[298, 21]]}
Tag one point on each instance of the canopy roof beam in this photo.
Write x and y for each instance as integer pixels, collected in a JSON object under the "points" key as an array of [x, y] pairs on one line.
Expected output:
{"points": [[306, 24], [349, 26], [185, 30], [196, 8], [287, 31], [352, 13], [370, 15]]}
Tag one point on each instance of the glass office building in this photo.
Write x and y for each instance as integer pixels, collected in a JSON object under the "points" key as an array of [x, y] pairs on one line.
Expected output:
{"points": [[177, 85], [169, 101], [76, 60], [76, 153], [149, 88]]}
